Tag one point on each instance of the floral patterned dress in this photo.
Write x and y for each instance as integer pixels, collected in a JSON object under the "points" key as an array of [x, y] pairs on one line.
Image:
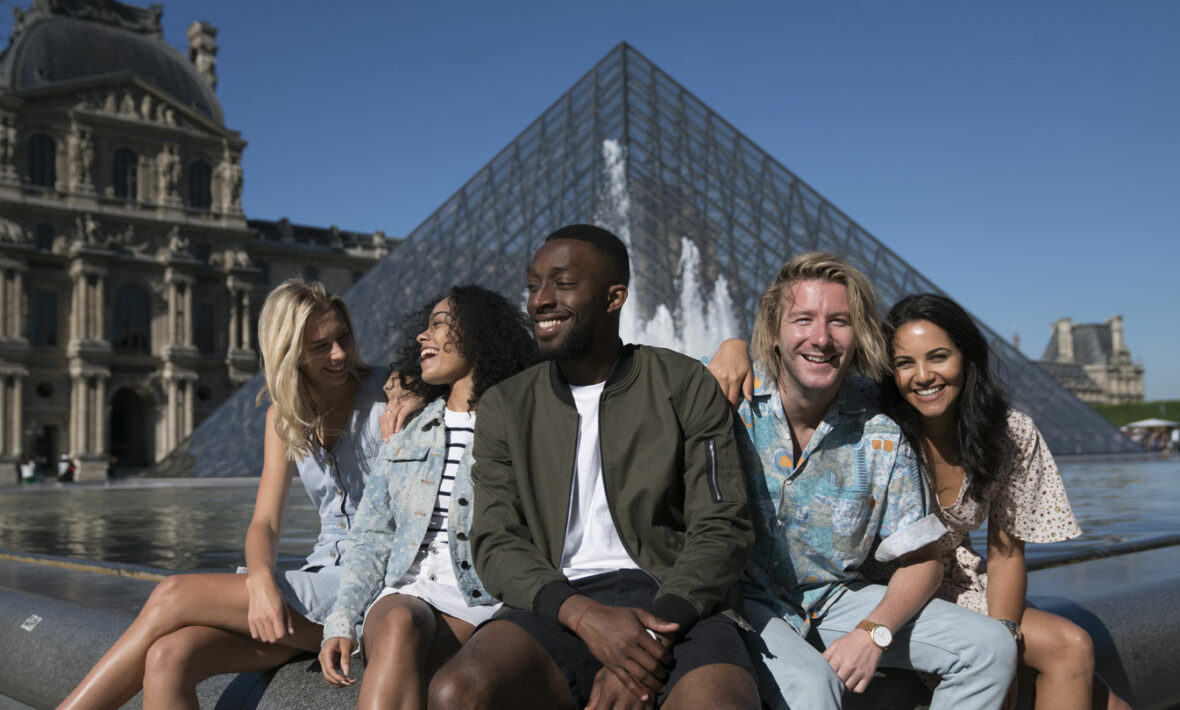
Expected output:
{"points": [[1027, 501]]}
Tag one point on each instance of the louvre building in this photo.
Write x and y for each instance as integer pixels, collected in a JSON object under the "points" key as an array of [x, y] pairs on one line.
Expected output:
{"points": [[130, 279], [709, 218]]}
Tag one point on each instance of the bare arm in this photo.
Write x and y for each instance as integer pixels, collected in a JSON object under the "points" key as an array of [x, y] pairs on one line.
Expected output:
{"points": [[1007, 581], [1007, 576], [731, 366], [854, 656], [268, 617]]}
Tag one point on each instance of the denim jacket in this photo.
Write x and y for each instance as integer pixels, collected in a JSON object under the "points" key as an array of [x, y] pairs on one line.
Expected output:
{"points": [[393, 516]]}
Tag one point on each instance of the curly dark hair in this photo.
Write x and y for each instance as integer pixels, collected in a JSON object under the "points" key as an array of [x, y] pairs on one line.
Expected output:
{"points": [[492, 334], [982, 421]]}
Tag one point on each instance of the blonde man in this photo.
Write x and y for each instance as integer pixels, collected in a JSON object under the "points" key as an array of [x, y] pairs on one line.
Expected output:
{"points": [[831, 481]]}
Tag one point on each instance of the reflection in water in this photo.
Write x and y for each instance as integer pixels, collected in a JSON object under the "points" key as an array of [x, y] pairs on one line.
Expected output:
{"points": [[185, 528], [177, 528]]}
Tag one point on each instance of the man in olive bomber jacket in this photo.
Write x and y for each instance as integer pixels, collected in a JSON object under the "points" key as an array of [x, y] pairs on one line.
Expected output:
{"points": [[610, 513]]}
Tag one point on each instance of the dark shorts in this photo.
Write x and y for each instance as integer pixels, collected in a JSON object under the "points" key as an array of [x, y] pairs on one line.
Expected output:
{"points": [[714, 639]]}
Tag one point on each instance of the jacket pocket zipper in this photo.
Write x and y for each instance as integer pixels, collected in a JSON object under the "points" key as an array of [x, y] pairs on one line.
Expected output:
{"points": [[711, 463]]}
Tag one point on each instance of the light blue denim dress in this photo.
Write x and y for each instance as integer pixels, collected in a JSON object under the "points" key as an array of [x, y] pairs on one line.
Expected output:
{"points": [[334, 481]]}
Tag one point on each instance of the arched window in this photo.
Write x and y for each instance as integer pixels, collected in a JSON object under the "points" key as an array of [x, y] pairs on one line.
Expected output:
{"points": [[43, 237], [200, 192], [132, 324], [42, 161], [125, 176]]}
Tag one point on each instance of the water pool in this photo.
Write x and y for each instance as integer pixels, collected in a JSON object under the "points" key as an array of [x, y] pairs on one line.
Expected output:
{"points": [[201, 523]]}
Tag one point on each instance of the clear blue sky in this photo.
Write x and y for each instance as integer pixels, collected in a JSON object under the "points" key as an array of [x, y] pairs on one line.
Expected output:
{"points": [[1023, 156]]}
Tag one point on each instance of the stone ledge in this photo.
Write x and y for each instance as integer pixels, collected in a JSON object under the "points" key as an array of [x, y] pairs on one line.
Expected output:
{"points": [[1129, 604]]}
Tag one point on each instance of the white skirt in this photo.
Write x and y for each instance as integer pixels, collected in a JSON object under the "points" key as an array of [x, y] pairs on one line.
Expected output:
{"points": [[445, 598]]}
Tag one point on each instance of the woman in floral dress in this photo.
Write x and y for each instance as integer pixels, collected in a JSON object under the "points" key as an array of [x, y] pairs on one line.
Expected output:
{"points": [[985, 461]]}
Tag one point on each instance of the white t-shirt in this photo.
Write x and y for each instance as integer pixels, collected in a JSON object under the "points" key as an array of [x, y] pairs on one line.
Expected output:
{"points": [[592, 543], [431, 577]]}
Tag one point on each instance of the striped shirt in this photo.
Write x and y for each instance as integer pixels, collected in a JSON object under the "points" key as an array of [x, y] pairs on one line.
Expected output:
{"points": [[460, 427]]}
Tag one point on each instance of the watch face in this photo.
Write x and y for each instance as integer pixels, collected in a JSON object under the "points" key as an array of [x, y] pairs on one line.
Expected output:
{"points": [[882, 636]]}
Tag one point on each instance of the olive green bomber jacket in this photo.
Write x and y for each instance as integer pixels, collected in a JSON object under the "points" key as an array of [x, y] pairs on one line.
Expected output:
{"points": [[670, 471]]}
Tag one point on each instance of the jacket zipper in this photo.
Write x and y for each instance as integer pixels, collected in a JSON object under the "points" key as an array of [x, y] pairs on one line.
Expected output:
{"points": [[569, 502], [610, 505], [711, 464]]}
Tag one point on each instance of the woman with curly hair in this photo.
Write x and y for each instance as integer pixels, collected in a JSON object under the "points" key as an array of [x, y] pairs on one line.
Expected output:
{"points": [[986, 461], [409, 596], [322, 424]]}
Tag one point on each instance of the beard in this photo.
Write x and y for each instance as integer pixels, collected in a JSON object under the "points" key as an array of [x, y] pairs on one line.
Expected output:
{"points": [[573, 346]]}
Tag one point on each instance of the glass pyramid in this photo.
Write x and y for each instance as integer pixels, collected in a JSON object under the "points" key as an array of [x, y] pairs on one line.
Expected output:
{"points": [[709, 217]]}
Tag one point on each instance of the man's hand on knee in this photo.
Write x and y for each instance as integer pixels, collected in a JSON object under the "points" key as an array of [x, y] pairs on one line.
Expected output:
{"points": [[609, 693], [854, 657], [626, 640]]}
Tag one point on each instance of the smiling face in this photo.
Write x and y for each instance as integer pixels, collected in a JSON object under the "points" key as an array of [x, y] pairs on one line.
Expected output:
{"points": [[441, 361], [816, 343], [568, 298], [927, 368], [327, 349]]}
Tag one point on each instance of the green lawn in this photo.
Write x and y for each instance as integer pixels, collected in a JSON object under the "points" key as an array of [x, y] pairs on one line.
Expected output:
{"points": [[1122, 414]]}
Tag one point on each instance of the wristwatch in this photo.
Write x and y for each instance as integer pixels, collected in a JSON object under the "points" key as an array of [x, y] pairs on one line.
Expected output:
{"points": [[879, 633]]}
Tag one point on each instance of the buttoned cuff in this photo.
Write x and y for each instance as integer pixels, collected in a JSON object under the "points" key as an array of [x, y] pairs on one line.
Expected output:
{"points": [[337, 630], [912, 537]]}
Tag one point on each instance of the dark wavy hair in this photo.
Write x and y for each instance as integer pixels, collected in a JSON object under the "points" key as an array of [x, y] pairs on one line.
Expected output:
{"points": [[982, 420], [493, 335]]}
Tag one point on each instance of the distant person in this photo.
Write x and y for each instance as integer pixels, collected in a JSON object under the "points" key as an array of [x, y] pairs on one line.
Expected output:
{"points": [[28, 470], [1176, 440], [610, 514], [65, 469], [833, 483], [408, 578], [323, 425]]}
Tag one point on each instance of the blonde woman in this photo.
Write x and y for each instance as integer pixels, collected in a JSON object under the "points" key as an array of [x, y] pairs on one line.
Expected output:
{"points": [[323, 423]]}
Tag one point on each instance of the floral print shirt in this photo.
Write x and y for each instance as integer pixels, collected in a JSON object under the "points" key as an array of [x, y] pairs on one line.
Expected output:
{"points": [[818, 518]]}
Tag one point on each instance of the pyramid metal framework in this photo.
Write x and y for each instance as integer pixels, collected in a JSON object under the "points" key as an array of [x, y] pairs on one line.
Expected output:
{"points": [[689, 175]]}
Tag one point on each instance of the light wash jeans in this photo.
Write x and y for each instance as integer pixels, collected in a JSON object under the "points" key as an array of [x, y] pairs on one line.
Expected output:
{"points": [[972, 653]]}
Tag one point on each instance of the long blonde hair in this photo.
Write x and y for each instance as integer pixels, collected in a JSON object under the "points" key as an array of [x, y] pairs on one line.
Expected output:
{"points": [[281, 325], [871, 358]]}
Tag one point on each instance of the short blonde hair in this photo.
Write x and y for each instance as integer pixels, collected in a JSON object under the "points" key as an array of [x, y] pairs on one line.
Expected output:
{"points": [[281, 325], [871, 358]]}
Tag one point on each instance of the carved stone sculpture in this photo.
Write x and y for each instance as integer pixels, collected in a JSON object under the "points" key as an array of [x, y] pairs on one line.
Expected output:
{"points": [[168, 171], [177, 244], [11, 231], [87, 232], [81, 147], [202, 50], [7, 146], [229, 173]]}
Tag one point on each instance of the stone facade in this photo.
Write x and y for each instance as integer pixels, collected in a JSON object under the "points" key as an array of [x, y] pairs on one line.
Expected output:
{"points": [[1092, 361], [130, 279]]}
